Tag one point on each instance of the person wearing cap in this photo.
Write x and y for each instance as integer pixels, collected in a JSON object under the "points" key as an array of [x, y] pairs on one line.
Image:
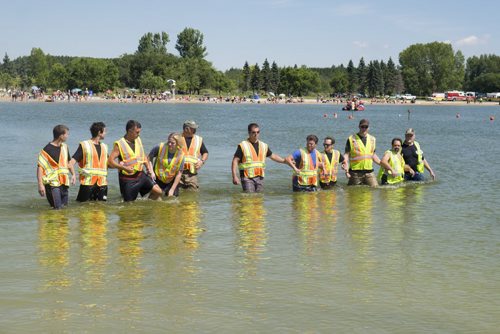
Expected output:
{"points": [[250, 159], [360, 156], [129, 158], [414, 158], [308, 160], [195, 155], [392, 164], [331, 159], [168, 164]]}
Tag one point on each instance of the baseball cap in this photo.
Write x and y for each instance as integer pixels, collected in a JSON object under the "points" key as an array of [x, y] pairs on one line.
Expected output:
{"points": [[191, 124], [364, 121], [410, 131]]}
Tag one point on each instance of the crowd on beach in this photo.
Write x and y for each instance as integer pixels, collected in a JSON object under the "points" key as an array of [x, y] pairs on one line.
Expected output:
{"points": [[174, 164]]}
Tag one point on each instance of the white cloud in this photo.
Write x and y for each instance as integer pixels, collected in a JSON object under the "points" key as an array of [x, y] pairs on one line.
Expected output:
{"points": [[472, 40], [360, 44]]}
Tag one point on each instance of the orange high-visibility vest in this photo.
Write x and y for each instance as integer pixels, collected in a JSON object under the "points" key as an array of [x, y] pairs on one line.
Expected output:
{"points": [[53, 173], [93, 168], [253, 164], [135, 159], [361, 156], [331, 167], [192, 153], [308, 175], [165, 170]]}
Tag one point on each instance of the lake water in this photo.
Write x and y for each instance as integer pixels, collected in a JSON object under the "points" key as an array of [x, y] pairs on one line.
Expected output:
{"points": [[418, 258]]}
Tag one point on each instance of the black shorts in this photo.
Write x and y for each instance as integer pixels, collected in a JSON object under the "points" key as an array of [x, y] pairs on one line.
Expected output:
{"points": [[92, 193], [328, 185], [131, 187], [165, 187]]}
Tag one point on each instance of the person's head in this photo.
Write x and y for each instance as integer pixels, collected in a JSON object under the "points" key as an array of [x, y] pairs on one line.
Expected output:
{"points": [[61, 132], [311, 142], [189, 128], [409, 135], [328, 143], [98, 129], [364, 124], [253, 132], [173, 141], [396, 144], [133, 129]]}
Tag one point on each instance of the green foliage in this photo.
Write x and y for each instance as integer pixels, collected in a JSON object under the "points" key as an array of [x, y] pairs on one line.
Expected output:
{"points": [[148, 82], [245, 83], [153, 43], [352, 78], [477, 73], [298, 81], [190, 44], [339, 82], [255, 81], [97, 75]]}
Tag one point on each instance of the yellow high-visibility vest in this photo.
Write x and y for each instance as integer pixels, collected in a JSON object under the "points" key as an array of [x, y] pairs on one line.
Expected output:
{"points": [[361, 156], [253, 164]]}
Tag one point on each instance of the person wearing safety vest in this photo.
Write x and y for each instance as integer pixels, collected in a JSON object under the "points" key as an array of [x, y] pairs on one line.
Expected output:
{"points": [[306, 163], [250, 160], [392, 165], [168, 163], [92, 159], [331, 159], [360, 156], [53, 169], [414, 158], [195, 155], [129, 158]]}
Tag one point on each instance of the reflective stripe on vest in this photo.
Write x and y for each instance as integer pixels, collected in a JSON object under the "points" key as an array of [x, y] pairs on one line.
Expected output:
{"points": [[192, 153], [134, 159], [361, 156], [397, 163], [53, 173], [420, 161], [253, 164], [93, 168], [165, 170], [308, 175], [329, 174]]}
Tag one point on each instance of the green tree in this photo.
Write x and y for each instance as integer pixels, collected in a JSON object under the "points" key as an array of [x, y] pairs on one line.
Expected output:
{"points": [[339, 82], [38, 70], [255, 80], [58, 77], [275, 78], [352, 84], [190, 44], [375, 79], [480, 73], [151, 83], [266, 76], [155, 43], [7, 65], [361, 74], [390, 77], [245, 84]]}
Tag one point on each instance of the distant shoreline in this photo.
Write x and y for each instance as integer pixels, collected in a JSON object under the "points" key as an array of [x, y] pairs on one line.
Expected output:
{"points": [[307, 101]]}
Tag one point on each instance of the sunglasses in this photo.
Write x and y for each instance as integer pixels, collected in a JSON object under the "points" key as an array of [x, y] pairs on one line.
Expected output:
{"points": [[326, 145], [255, 132], [363, 126]]}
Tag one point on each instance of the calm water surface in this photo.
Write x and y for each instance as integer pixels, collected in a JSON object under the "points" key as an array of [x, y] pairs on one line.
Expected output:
{"points": [[418, 258]]}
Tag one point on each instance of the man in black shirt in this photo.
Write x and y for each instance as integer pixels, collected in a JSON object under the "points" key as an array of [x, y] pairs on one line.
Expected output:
{"points": [[195, 155], [414, 158], [250, 159]]}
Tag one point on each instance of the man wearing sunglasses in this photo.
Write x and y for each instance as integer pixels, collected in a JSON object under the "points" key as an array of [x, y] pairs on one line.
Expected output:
{"points": [[250, 160], [331, 159], [360, 156]]}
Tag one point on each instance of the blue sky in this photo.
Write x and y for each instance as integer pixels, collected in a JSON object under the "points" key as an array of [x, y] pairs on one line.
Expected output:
{"points": [[315, 33]]}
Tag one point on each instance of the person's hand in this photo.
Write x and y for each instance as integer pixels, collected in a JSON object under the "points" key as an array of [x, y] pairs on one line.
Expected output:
{"points": [[153, 176], [236, 180], [128, 169], [199, 164], [347, 174], [73, 179], [41, 190], [433, 175], [171, 192], [412, 172]]}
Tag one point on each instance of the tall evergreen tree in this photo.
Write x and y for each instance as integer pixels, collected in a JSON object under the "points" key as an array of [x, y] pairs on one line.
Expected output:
{"points": [[275, 77], [255, 81], [266, 76], [390, 77], [352, 80], [245, 83], [361, 75]]}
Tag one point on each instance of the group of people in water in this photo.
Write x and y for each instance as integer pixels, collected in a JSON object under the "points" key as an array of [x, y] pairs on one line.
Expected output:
{"points": [[174, 164]]}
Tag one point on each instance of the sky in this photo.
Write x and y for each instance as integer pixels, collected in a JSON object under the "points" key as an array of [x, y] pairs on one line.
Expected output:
{"points": [[315, 33]]}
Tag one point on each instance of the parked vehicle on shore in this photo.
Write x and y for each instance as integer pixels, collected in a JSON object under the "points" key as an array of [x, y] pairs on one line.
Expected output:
{"points": [[493, 95], [408, 97], [436, 97], [455, 95]]}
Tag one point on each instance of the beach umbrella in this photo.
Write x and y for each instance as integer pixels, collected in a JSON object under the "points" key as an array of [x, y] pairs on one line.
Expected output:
{"points": [[76, 90], [282, 95], [256, 96], [271, 94]]}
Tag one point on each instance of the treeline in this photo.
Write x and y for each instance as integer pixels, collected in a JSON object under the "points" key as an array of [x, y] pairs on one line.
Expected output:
{"points": [[422, 69]]}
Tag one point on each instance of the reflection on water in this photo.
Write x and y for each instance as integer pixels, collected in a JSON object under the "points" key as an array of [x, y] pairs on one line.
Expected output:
{"points": [[306, 210], [249, 217], [359, 221], [177, 229], [93, 228], [130, 235], [54, 246]]}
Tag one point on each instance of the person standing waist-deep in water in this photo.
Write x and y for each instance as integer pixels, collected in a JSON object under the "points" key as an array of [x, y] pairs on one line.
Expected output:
{"points": [[195, 155], [414, 158]]}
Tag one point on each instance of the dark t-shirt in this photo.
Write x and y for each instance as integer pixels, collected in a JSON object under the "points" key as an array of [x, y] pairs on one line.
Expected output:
{"points": [[239, 153], [203, 149], [410, 155], [154, 154], [54, 152], [78, 156], [329, 155]]}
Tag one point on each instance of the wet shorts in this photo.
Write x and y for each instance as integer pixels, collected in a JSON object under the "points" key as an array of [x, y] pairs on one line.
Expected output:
{"points": [[189, 181], [92, 193], [329, 185], [362, 177], [165, 187], [131, 187], [252, 185], [57, 196]]}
